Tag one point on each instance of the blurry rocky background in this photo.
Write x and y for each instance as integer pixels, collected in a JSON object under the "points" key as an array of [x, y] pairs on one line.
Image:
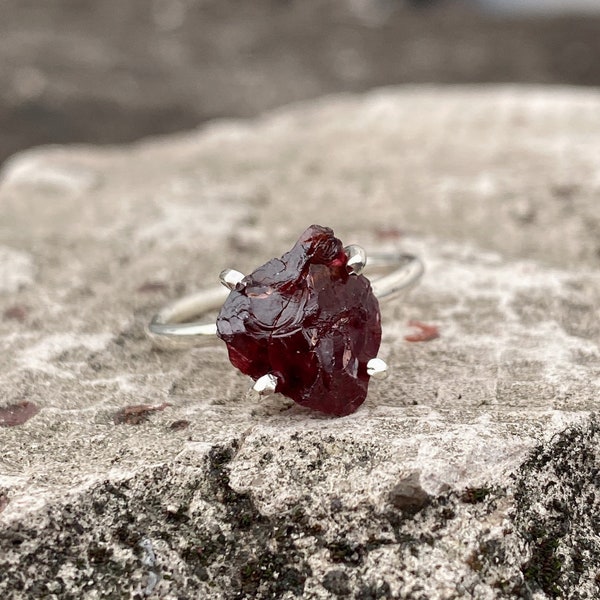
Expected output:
{"points": [[113, 71]]}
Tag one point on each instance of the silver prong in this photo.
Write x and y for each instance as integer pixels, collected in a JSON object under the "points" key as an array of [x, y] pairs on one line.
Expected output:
{"points": [[230, 278], [265, 385], [357, 259], [377, 368]]}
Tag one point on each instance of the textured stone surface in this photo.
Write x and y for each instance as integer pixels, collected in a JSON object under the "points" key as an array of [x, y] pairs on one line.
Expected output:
{"points": [[471, 472]]}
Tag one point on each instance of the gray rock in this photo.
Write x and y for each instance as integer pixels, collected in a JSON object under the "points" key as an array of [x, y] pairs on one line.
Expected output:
{"points": [[114, 72], [471, 472]]}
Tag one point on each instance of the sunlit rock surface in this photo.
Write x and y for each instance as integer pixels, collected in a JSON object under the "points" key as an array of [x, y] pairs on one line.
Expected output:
{"points": [[472, 471]]}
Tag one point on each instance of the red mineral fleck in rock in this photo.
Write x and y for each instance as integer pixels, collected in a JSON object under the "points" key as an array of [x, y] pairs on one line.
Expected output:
{"points": [[302, 318], [426, 332], [17, 414], [4, 500], [389, 233], [152, 286], [16, 312], [137, 413], [179, 425]]}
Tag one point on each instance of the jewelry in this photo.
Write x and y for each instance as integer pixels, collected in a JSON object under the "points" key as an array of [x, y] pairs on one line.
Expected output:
{"points": [[306, 325]]}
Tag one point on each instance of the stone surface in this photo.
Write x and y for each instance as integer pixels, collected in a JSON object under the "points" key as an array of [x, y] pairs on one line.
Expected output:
{"points": [[471, 472]]}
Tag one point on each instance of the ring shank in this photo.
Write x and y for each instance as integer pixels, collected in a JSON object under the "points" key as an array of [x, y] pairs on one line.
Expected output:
{"points": [[407, 272], [171, 327]]}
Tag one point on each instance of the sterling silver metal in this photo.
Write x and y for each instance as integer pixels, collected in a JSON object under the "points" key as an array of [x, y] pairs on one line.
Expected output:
{"points": [[171, 327], [377, 368], [265, 385], [357, 259], [230, 278]]}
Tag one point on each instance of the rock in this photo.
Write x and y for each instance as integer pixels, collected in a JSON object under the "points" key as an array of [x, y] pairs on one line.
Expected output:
{"points": [[470, 472], [112, 72], [408, 495]]}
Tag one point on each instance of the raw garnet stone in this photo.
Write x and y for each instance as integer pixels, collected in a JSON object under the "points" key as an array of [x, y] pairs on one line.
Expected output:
{"points": [[302, 318]]}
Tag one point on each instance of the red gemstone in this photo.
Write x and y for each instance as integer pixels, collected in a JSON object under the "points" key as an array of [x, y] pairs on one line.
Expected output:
{"points": [[302, 318]]}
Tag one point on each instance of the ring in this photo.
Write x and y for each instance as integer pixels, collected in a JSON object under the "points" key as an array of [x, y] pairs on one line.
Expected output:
{"points": [[306, 325]]}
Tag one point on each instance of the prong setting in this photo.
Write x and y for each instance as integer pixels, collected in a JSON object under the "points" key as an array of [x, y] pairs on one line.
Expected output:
{"points": [[230, 278], [377, 368], [357, 259], [265, 385]]}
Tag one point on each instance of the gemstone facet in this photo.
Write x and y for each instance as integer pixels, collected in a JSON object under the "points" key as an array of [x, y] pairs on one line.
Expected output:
{"points": [[306, 321]]}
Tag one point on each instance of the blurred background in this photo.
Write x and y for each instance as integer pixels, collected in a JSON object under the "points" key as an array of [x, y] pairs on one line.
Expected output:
{"points": [[110, 71]]}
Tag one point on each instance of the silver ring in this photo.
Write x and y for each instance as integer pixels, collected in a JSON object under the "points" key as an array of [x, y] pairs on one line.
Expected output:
{"points": [[173, 328]]}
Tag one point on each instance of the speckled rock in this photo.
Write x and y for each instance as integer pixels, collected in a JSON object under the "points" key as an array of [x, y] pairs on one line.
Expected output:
{"points": [[471, 472]]}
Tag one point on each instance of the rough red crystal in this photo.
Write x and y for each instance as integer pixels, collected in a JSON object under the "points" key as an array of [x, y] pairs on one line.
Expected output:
{"points": [[302, 318]]}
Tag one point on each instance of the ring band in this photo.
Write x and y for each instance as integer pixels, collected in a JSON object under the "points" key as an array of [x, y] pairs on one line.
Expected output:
{"points": [[172, 328]]}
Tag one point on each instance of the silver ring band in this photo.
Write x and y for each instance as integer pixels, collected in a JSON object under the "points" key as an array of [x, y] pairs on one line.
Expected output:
{"points": [[171, 328]]}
